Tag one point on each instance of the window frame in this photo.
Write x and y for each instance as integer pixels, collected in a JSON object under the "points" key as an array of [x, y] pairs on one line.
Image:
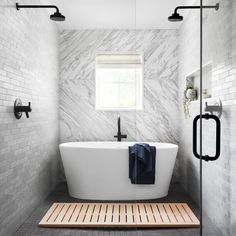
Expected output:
{"points": [[97, 105]]}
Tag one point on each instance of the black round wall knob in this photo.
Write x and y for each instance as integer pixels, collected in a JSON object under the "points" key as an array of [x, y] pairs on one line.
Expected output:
{"points": [[17, 113]]}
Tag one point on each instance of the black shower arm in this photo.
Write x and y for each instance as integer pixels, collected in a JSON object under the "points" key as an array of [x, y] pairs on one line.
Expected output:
{"points": [[197, 7], [36, 6]]}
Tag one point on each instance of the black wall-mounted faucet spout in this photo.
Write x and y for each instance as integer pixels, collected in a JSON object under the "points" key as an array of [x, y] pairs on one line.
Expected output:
{"points": [[119, 136]]}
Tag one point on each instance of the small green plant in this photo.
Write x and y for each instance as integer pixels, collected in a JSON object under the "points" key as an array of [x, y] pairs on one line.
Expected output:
{"points": [[187, 99]]}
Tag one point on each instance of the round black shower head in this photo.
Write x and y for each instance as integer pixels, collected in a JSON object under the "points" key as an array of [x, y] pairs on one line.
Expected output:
{"points": [[175, 17], [57, 16]]}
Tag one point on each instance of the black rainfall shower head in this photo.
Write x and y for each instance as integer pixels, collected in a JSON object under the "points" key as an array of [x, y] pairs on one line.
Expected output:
{"points": [[57, 16], [175, 17]]}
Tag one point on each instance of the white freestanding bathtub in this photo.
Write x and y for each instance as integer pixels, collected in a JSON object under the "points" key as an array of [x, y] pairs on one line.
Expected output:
{"points": [[100, 171]]}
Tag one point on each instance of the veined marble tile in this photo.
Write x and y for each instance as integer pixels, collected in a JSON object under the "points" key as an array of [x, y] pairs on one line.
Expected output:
{"points": [[158, 121]]}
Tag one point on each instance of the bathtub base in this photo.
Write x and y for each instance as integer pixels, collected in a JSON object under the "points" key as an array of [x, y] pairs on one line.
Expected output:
{"points": [[132, 196]]}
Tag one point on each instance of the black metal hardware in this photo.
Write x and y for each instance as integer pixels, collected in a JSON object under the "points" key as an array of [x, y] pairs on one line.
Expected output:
{"points": [[214, 109], [218, 131], [18, 6], [19, 109], [175, 17], [119, 136], [57, 16], [197, 7]]}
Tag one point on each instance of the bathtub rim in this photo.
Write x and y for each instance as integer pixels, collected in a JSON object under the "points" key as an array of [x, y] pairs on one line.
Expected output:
{"points": [[114, 144]]}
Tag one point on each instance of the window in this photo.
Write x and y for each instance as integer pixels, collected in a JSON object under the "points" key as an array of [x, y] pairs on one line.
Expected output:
{"points": [[119, 80]]}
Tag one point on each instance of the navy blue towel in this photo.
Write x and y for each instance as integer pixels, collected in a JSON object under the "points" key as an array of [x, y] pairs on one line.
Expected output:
{"points": [[142, 163]]}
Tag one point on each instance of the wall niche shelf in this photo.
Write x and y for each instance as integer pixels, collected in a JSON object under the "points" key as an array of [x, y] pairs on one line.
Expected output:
{"points": [[192, 87], [193, 81]]}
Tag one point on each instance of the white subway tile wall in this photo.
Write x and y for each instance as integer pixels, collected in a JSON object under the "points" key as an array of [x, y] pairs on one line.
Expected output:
{"points": [[28, 147]]}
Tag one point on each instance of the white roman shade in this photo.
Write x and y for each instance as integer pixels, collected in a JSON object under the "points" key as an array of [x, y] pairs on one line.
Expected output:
{"points": [[119, 60]]}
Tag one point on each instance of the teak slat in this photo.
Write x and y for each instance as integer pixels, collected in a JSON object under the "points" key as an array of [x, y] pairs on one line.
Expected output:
{"points": [[119, 215], [75, 214], [137, 218], [183, 213], [189, 212], [69, 213], [122, 214], [89, 214], [95, 214], [163, 213], [170, 214], [82, 213], [151, 216], [142, 213], [116, 214], [102, 214], [109, 213], [61, 214], [50, 212], [57, 212], [129, 214], [177, 214]]}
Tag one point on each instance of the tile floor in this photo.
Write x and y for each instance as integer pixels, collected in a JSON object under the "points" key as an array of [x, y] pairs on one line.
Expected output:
{"points": [[60, 194]]}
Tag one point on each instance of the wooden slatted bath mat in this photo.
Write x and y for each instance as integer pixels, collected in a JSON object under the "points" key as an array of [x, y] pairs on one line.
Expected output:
{"points": [[119, 215]]}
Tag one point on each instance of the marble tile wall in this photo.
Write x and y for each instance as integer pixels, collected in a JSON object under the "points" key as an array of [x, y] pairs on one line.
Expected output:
{"points": [[158, 121]]}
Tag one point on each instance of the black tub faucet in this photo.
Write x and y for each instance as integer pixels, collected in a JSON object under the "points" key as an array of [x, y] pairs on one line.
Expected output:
{"points": [[119, 136]]}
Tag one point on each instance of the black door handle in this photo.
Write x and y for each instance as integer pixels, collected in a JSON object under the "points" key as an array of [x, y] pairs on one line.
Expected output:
{"points": [[218, 130]]}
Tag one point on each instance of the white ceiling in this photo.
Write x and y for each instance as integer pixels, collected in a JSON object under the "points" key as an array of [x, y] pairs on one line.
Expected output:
{"points": [[116, 14]]}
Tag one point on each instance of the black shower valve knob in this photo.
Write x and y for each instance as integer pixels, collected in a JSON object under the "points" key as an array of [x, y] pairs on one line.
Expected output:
{"points": [[27, 110], [19, 109]]}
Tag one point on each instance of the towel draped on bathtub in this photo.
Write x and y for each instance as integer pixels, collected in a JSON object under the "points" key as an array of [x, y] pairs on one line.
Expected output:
{"points": [[142, 163]]}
